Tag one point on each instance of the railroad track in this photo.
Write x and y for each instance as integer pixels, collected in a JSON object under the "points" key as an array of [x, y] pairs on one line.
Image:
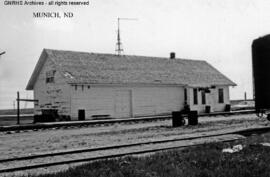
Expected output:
{"points": [[56, 125], [107, 152]]}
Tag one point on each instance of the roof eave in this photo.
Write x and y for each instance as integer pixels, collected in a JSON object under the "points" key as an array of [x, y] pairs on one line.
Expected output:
{"points": [[91, 83]]}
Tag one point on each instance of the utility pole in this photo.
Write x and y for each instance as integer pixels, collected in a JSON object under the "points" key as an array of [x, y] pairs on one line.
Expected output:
{"points": [[119, 47], [18, 108], [18, 105]]}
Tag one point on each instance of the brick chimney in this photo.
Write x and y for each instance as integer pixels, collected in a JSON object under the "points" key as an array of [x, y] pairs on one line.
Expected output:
{"points": [[172, 55]]}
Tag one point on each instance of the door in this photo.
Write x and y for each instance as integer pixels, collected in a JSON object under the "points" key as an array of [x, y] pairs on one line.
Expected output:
{"points": [[81, 114], [211, 100], [123, 103]]}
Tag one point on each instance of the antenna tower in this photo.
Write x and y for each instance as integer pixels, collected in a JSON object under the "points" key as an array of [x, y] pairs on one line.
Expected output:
{"points": [[119, 47]]}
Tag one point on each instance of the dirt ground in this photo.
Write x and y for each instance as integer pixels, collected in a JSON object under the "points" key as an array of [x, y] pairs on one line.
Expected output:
{"points": [[44, 141]]}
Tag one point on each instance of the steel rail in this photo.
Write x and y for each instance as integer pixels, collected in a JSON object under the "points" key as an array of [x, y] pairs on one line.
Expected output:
{"points": [[101, 122], [109, 147], [22, 168], [245, 132]]}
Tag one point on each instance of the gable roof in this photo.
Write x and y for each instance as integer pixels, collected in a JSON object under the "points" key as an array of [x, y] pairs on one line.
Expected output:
{"points": [[94, 68]]}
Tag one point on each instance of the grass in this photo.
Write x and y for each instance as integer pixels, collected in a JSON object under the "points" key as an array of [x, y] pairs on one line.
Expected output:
{"points": [[14, 111], [203, 161], [13, 120]]}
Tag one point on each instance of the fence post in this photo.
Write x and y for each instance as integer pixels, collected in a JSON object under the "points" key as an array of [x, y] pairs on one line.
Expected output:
{"points": [[18, 108]]}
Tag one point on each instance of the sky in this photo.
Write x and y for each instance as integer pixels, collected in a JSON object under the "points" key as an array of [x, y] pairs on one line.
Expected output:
{"points": [[218, 31]]}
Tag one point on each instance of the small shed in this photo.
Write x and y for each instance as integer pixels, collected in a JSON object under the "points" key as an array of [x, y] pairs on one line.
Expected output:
{"points": [[94, 84]]}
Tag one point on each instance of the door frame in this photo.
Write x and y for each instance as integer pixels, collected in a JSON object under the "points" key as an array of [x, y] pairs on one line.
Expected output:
{"points": [[130, 100]]}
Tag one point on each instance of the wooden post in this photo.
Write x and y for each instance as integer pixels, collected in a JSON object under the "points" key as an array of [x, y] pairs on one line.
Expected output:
{"points": [[18, 108]]}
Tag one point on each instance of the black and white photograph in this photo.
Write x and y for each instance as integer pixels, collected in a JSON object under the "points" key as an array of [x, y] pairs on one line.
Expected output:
{"points": [[133, 88]]}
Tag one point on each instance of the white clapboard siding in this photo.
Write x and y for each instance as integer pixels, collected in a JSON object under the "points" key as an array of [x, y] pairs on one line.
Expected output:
{"points": [[157, 100], [211, 100], [51, 95], [95, 101], [126, 101], [122, 103]]}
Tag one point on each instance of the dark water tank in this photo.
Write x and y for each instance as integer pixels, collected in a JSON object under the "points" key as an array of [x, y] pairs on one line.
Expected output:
{"points": [[261, 72]]}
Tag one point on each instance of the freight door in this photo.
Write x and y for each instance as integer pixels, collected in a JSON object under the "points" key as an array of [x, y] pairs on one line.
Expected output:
{"points": [[122, 103]]}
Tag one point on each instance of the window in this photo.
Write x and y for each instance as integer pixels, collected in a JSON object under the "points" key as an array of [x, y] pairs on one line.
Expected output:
{"points": [[82, 87], [50, 76], [76, 87], [195, 96], [203, 97], [185, 95], [220, 96]]}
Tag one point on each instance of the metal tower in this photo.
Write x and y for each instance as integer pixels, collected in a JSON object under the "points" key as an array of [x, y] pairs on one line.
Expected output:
{"points": [[119, 48]]}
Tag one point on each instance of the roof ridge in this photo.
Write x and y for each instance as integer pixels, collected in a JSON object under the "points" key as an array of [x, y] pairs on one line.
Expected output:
{"points": [[115, 55]]}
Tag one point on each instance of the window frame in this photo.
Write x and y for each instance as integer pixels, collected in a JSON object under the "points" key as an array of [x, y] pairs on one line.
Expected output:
{"points": [[49, 76]]}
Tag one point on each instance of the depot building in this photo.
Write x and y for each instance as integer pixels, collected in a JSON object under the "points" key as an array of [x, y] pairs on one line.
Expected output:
{"points": [[84, 85]]}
